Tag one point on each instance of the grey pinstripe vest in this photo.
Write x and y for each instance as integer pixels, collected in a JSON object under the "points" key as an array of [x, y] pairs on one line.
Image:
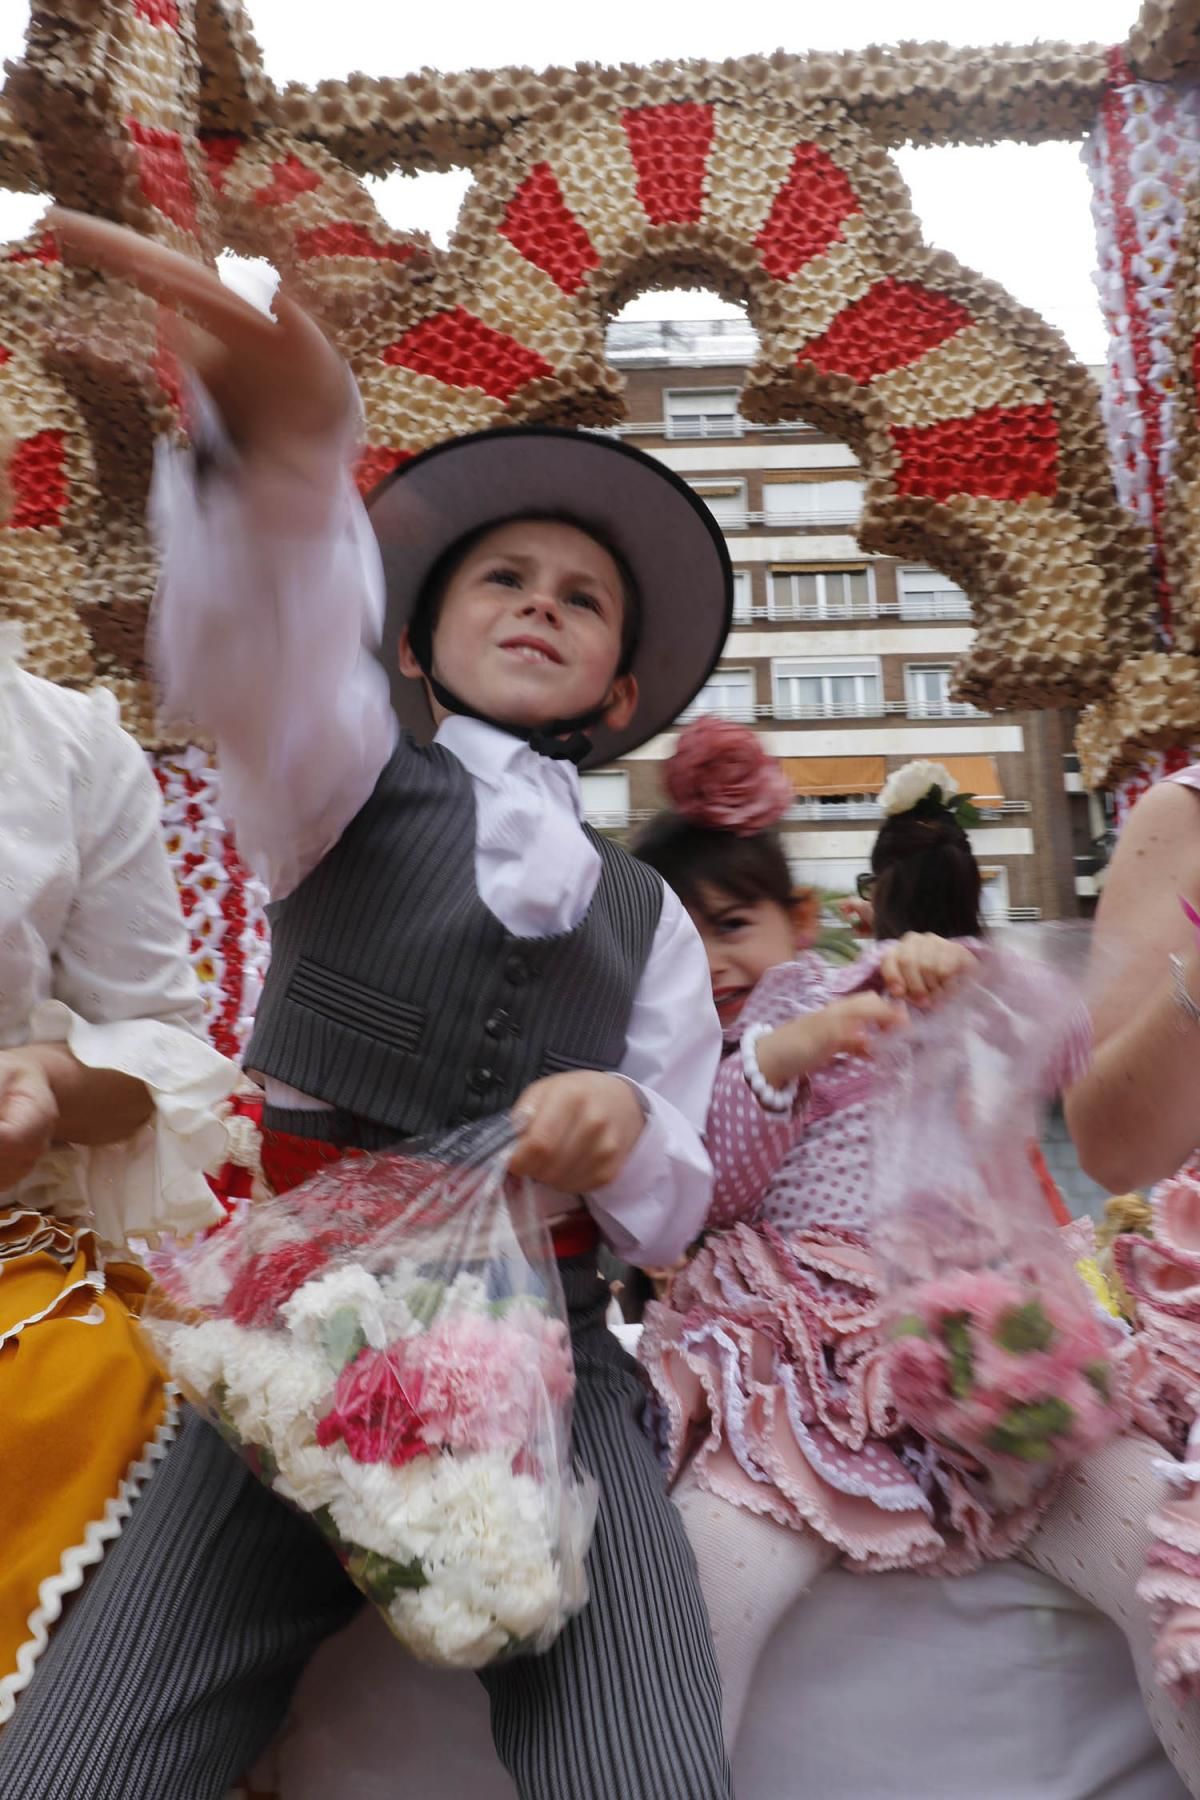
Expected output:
{"points": [[395, 994]]}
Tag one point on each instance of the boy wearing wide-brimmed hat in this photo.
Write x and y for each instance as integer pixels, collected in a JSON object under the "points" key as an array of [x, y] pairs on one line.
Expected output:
{"points": [[449, 940]]}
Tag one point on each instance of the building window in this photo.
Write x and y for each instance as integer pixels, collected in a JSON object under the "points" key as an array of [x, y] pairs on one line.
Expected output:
{"points": [[993, 897], [832, 875], [742, 605], [926, 594], [725, 500], [701, 412], [820, 594], [606, 799], [807, 689], [727, 694], [927, 686], [812, 502]]}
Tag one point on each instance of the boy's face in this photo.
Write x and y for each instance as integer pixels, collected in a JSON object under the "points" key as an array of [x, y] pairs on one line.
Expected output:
{"points": [[530, 628]]}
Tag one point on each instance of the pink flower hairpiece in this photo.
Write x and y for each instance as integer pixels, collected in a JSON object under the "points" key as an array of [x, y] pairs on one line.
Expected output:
{"points": [[721, 777]]}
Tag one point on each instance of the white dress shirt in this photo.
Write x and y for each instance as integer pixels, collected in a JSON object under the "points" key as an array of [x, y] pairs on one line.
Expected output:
{"points": [[270, 605], [94, 954]]}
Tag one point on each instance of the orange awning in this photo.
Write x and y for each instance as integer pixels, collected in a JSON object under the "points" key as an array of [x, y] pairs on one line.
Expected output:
{"points": [[814, 777], [975, 775]]}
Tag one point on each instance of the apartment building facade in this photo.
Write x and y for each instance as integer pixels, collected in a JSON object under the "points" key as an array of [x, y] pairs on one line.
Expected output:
{"points": [[841, 660]]}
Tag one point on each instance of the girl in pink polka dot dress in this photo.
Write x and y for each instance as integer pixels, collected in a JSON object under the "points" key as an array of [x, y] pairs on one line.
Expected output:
{"points": [[767, 1355]]}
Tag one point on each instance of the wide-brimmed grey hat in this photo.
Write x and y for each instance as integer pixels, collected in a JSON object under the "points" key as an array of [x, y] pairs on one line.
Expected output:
{"points": [[668, 539]]}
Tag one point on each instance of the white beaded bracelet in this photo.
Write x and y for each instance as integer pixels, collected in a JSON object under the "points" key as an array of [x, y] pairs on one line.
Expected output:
{"points": [[774, 1099]]}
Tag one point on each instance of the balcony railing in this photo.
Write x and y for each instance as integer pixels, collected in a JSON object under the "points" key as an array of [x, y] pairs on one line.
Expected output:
{"points": [[697, 425], [784, 711], [944, 709], [748, 518], [776, 709], [721, 425], [808, 812], [935, 606], [684, 343], [785, 612]]}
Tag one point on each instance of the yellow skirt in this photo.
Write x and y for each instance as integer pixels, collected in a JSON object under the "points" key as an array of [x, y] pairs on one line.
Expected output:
{"points": [[84, 1414]]}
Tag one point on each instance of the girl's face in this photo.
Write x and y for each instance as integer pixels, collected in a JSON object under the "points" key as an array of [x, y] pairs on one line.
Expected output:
{"points": [[530, 627], [744, 938]]}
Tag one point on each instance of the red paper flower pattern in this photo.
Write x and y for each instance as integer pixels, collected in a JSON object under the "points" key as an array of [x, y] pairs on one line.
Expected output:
{"points": [[670, 146]]}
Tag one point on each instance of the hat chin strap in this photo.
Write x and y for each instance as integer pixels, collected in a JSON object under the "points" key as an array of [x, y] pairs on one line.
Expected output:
{"points": [[565, 740]]}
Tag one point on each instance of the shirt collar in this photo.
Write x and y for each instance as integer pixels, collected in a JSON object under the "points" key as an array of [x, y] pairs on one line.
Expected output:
{"points": [[490, 755]]}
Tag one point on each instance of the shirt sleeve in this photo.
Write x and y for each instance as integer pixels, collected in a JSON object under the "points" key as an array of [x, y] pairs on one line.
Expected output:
{"points": [[269, 609], [747, 1141], [124, 997], [658, 1204]]}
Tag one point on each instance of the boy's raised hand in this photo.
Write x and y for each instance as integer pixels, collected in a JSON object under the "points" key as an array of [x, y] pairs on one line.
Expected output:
{"points": [[278, 383], [577, 1130]]}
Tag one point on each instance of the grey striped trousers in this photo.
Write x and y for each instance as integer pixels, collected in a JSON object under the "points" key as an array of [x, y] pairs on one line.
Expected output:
{"points": [[175, 1665]]}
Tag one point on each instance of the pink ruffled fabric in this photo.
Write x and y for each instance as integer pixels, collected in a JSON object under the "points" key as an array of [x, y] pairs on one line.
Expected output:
{"points": [[1162, 1275], [769, 1361], [769, 1356]]}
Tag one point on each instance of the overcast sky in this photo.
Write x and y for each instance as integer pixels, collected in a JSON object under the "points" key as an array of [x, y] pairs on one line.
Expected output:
{"points": [[1017, 213]]}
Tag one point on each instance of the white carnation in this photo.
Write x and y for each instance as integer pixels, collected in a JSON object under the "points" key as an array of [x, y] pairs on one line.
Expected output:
{"points": [[909, 785], [372, 1506], [485, 1538], [466, 1293], [444, 1631], [196, 1354], [349, 1288], [308, 1476], [275, 1390], [271, 1389]]}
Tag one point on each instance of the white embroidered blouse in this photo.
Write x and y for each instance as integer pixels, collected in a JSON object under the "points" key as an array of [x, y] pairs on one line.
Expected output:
{"points": [[93, 954]]}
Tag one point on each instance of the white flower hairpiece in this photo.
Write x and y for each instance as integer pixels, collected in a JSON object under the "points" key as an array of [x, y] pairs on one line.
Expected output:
{"points": [[927, 787]]}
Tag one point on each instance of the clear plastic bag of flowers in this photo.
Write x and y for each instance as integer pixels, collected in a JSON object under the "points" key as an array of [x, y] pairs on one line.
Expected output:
{"points": [[1000, 1352], [387, 1347]]}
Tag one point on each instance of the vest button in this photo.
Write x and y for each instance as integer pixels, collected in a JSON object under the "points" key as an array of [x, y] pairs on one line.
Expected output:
{"points": [[499, 1023], [516, 970], [480, 1080]]}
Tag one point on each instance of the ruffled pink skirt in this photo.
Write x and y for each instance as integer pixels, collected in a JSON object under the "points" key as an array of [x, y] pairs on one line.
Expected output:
{"points": [[1163, 1277], [768, 1357]]}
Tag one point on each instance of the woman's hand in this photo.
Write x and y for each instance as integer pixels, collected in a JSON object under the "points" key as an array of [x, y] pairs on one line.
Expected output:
{"points": [[811, 1042], [29, 1115], [921, 968], [576, 1131], [279, 383]]}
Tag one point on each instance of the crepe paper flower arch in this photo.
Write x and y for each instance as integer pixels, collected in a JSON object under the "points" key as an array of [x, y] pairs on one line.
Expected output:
{"points": [[769, 179]]}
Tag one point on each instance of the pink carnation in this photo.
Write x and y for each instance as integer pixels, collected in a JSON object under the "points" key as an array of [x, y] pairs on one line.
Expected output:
{"points": [[374, 1411], [1012, 1369], [720, 776], [483, 1381], [264, 1284]]}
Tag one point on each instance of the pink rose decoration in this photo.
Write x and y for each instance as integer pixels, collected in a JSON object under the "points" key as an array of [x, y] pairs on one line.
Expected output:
{"points": [[374, 1411], [721, 777]]}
